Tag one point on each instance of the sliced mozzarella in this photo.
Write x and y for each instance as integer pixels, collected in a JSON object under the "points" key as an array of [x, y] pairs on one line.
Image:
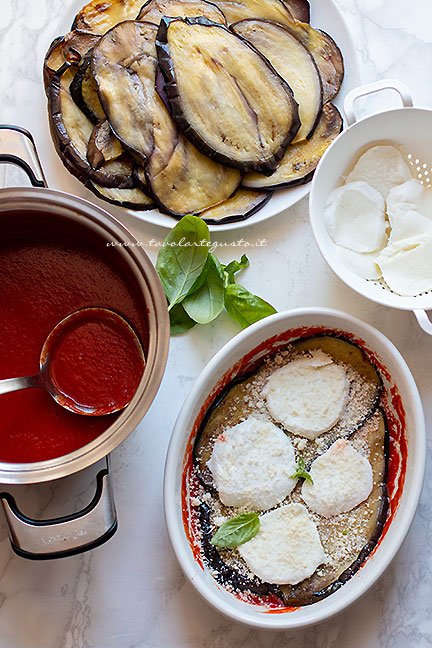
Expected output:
{"points": [[252, 463], [342, 479], [287, 548], [406, 265], [362, 264], [355, 217], [382, 167], [409, 208], [308, 394]]}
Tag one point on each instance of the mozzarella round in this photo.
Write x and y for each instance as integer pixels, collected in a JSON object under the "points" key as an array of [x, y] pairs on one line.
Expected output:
{"points": [[406, 265], [355, 217], [342, 479], [363, 264], [252, 463], [409, 208], [287, 548], [382, 167], [307, 395]]}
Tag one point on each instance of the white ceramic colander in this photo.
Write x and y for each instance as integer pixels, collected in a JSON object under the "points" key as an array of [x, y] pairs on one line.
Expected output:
{"points": [[408, 128]]}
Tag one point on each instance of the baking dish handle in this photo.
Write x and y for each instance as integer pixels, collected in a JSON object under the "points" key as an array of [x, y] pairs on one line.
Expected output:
{"points": [[424, 321], [371, 88], [17, 147], [64, 536]]}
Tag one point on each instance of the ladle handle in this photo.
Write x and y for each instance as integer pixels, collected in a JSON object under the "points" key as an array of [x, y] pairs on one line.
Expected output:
{"points": [[371, 88], [14, 384], [17, 147], [64, 536]]}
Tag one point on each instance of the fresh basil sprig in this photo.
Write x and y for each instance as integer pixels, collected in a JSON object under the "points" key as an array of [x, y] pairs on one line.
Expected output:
{"points": [[182, 257], [234, 267], [301, 471], [197, 286], [237, 531], [206, 303], [180, 322]]}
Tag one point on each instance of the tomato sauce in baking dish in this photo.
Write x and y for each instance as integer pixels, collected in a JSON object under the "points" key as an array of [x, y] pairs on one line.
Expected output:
{"points": [[358, 456], [48, 271]]}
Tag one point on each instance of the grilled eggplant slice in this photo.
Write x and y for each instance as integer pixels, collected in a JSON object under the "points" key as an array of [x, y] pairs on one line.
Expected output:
{"points": [[299, 9], [183, 180], [99, 16], [67, 49], [326, 53], [123, 65], [103, 145], [224, 95], [300, 161], [235, 10], [84, 91], [135, 198], [243, 204], [154, 10], [72, 130], [293, 62]]}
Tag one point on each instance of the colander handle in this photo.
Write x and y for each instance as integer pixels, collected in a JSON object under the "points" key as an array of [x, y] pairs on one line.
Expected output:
{"points": [[371, 88], [424, 321]]}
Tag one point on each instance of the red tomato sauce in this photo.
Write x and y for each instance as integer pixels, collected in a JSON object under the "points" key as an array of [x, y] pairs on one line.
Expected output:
{"points": [[46, 274], [94, 362]]}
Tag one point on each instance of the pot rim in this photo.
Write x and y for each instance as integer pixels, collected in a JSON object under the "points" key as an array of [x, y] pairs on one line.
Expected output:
{"points": [[332, 605], [89, 214]]}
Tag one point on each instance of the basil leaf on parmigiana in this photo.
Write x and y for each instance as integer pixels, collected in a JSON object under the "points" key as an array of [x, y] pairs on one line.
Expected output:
{"points": [[237, 531], [182, 258], [245, 307], [207, 302]]}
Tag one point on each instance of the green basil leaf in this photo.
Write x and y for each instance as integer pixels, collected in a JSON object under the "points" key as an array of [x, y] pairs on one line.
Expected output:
{"points": [[301, 472], [182, 257], [235, 266], [204, 305], [244, 307], [180, 322], [237, 531]]}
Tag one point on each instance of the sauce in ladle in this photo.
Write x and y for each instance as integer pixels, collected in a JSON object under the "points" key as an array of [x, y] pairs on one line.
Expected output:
{"points": [[95, 362]]}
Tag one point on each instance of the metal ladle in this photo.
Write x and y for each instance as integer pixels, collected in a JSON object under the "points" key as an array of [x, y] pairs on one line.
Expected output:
{"points": [[43, 379]]}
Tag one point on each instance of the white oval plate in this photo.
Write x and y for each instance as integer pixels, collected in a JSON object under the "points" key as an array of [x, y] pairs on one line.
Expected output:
{"points": [[324, 15]]}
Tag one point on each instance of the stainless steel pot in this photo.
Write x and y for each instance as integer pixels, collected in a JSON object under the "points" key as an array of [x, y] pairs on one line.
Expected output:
{"points": [[96, 523]]}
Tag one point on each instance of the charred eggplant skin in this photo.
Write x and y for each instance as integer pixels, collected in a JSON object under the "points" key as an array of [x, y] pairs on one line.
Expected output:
{"points": [[76, 89], [300, 9], [70, 158], [226, 574], [235, 218], [126, 204], [162, 47]]}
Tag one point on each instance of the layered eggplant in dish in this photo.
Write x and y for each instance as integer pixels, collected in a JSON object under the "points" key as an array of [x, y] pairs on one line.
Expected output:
{"points": [[306, 447], [193, 107]]}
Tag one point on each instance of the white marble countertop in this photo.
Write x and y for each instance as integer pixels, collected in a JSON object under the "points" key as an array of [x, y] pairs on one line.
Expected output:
{"points": [[131, 593]]}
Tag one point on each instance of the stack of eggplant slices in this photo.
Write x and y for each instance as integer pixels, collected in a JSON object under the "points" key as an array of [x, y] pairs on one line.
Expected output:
{"points": [[193, 107]]}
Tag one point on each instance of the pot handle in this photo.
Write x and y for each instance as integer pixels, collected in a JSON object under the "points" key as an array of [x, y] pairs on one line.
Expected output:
{"points": [[64, 536], [17, 147], [424, 321], [371, 88]]}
